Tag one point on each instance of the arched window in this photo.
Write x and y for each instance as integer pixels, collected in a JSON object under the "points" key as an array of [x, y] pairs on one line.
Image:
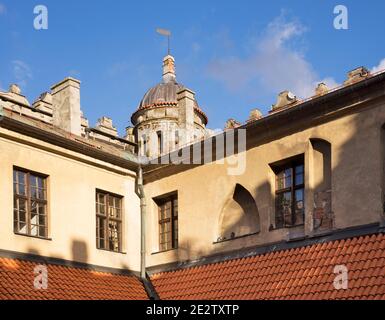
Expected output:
{"points": [[239, 216]]}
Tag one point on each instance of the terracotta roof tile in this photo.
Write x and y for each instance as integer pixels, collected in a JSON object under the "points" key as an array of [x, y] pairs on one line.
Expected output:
{"points": [[66, 283], [300, 273]]}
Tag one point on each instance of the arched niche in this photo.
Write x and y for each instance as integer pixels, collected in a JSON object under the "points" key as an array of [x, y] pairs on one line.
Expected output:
{"points": [[239, 215]]}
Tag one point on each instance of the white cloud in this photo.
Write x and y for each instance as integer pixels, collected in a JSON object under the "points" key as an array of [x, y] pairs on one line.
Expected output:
{"points": [[3, 9], [273, 64], [380, 67], [21, 72]]}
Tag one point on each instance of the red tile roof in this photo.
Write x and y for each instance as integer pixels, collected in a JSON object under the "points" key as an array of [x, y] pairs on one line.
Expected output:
{"points": [[65, 283], [300, 273]]}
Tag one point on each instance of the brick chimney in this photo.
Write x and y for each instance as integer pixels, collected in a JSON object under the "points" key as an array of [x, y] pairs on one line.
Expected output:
{"points": [[66, 105]]}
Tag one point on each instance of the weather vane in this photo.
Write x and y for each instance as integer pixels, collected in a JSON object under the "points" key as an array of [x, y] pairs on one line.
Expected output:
{"points": [[167, 33]]}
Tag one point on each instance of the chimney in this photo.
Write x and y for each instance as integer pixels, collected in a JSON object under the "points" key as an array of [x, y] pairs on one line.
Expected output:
{"points": [[186, 103], [169, 69], [66, 105]]}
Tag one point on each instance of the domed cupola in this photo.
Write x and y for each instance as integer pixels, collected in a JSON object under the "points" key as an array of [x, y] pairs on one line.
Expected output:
{"points": [[169, 113]]}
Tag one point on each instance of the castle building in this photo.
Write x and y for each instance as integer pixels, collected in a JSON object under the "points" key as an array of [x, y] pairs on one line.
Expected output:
{"points": [[274, 207]]}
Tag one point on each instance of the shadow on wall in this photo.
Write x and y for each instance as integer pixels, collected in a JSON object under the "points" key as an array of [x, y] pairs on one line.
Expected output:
{"points": [[79, 251], [239, 216], [186, 252], [346, 184]]}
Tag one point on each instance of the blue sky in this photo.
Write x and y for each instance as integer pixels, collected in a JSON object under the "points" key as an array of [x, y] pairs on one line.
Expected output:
{"points": [[236, 55]]}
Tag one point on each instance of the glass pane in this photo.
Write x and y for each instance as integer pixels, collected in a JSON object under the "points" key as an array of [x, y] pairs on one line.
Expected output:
{"points": [[168, 209], [100, 232], [34, 193], [299, 179], [33, 181], [22, 228], [283, 209], [42, 232], [40, 183], [34, 218], [22, 190], [299, 207], [101, 203], [41, 208], [299, 175], [22, 204], [113, 235], [34, 209], [34, 230], [42, 220], [21, 177], [22, 216], [284, 179], [299, 169]]}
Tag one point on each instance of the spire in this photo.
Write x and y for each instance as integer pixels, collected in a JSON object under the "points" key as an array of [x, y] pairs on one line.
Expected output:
{"points": [[169, 69]]}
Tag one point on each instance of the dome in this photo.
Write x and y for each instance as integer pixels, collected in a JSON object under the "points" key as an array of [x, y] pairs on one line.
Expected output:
{"points": [[162, 93]]}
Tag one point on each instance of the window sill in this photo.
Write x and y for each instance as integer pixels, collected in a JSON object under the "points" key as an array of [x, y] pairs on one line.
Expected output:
{"points": [[159, 252], [288, 227], [34, 237], [110, 251], [235, 238]]}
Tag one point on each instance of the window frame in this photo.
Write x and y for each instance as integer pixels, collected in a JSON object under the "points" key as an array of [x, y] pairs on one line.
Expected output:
{"points": [[28, 200], [292, 165], [172, 242], [107, 219]]}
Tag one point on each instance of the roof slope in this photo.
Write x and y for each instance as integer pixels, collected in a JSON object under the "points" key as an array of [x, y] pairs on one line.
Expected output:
{"points": [[65, 283], [300, 273]]}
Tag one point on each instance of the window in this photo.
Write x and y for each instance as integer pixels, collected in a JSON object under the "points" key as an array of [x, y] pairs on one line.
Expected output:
{"points": [[144, 145], [108, 221], [176, 139], [160, 143], [289, 194], [30, 203], [168, 223]]}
